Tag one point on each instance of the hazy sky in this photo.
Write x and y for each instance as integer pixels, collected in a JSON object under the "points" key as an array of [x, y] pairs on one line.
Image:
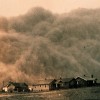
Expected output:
{"points": [[17, 7]]}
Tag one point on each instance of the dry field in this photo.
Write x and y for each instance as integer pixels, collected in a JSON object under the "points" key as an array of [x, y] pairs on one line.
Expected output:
{"points": [[71, 94]]}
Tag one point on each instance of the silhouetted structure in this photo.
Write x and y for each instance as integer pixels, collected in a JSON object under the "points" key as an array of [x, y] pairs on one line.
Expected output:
{"points": [[85, 81], [52, 84], [16, 87], [64, 83]]}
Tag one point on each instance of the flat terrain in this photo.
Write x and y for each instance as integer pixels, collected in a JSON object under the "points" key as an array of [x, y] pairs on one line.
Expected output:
{"points": [[70, 94]]}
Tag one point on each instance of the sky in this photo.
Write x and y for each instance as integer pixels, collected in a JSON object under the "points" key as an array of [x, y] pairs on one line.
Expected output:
{"points": [[10, 8]]}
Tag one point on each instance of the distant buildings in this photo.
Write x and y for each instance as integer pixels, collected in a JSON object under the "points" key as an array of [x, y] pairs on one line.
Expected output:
{"points": [[51, 84], [63, 83]]}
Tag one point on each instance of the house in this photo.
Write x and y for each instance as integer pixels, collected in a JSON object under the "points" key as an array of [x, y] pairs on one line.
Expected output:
{"points": [[81, 82], [86, 81], [44, 85], [64, 83], [16, 87]]}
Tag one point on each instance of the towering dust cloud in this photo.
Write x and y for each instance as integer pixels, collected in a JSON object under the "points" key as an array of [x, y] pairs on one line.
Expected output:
{"points": [[40, 44]]}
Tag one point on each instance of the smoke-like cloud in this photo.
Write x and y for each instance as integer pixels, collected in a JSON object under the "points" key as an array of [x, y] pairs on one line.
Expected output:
{"points": [[40, 44]]}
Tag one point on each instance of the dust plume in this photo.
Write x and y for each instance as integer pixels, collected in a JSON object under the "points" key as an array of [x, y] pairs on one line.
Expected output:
{"points": [[40, 44]]}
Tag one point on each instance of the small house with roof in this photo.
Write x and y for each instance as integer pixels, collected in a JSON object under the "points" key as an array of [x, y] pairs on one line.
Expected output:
{"points": [[16, 87], [44, 85], [64, 83], [86, 81]]}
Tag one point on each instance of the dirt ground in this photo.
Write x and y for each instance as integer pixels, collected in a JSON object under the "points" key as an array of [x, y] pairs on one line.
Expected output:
{"points": [[70, 94]]}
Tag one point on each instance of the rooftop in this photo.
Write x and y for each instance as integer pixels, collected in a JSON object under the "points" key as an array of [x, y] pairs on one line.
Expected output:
{"points": [[41, 82]]}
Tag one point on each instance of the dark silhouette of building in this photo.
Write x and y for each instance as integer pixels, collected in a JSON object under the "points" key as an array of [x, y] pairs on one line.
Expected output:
{"points": [[86, 81], [16, 87], [64, 83]]}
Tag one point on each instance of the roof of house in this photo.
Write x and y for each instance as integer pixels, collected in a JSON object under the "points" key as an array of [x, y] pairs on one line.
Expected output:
{"points": [[87, 78], [64, 80], [43, 82], [17, 84]]}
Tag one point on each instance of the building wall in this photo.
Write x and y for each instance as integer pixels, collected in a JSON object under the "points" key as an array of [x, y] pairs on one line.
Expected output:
{"points": [[41, 87], [91, 82], [52, 85], [73, 84]]}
